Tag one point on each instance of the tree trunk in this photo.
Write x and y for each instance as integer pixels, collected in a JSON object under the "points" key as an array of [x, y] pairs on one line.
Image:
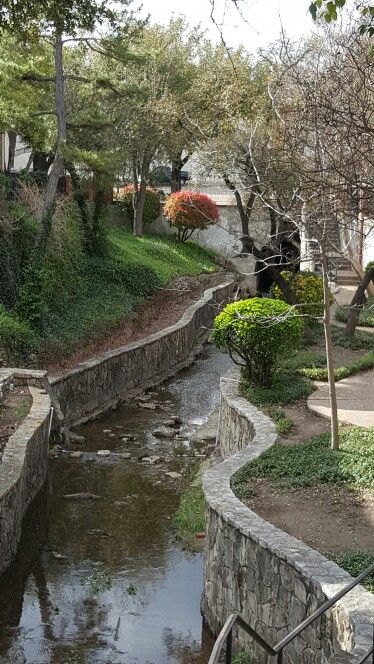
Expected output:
{"points": [[81, 202], [273, 224], [329, 351], [357, 301], [57, 169], [176, 168], [139, 198], [29, 162], [139, 208], [12, 138]]}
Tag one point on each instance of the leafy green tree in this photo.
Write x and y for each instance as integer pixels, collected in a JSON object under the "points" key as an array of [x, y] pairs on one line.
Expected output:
{"points": [[59, 22], [329, 11]]}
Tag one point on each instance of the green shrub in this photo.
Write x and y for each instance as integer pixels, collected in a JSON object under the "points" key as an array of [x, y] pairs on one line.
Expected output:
{"points": [[241, 658], [283, 423], [308, 290], [257, 332], [16, 338], [151, 204]]}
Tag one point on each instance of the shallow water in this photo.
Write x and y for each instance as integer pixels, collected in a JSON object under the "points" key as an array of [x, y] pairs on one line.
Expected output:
{"points": [[104, 581]]}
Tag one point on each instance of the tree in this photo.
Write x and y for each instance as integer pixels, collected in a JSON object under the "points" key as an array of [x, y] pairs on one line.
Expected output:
{"points": [[329, 11], [29, 19], [23, 110]]}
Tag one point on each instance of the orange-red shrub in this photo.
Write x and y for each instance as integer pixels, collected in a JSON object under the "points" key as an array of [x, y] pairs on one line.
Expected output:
{"points": [[188, 211]]}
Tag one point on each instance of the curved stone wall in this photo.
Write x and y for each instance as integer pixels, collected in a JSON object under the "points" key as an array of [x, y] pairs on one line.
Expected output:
{"points": [[24, 465], [97, 385], [272, 579]]}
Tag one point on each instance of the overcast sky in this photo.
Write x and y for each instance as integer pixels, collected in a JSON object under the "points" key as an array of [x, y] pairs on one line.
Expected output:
{"points": [[262, 24]]}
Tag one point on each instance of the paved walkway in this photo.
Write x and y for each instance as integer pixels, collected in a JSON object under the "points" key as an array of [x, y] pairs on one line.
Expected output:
{"points": [[355, 394], [342, 298], [355, 400]]}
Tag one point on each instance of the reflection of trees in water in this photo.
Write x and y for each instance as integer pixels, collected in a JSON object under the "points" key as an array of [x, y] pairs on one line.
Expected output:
{"points": [[186, 649], [128, 527], [13, 582]]}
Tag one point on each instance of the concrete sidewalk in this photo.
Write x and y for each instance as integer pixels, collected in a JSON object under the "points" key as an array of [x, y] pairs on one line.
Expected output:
{"points": [[343, 298], [355, 400], [355, 394]]}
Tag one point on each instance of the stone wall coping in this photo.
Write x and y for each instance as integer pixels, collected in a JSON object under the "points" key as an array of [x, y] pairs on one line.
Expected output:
{"points": [[358, 605], [185, 318], [16, 446]]}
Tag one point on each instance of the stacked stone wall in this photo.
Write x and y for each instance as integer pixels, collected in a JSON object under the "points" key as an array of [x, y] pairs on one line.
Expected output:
{"points": [[272, 579]]}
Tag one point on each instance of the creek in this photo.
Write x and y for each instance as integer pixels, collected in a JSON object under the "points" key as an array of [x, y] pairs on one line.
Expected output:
{"points": [[104, 580]]}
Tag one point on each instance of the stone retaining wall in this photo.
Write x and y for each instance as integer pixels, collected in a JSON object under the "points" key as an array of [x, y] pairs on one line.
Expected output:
{"points": [[23, 469], [272, 579], [97, 385]]}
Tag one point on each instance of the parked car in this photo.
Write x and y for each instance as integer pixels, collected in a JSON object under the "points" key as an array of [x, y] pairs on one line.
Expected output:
{"points": [[162, 175]]}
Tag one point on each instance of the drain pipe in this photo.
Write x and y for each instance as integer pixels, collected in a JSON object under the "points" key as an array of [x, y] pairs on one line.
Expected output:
{"points": [[50, 421]]}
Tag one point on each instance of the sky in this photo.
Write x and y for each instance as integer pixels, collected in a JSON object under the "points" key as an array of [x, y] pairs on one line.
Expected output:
{"points": [[261, 23]]}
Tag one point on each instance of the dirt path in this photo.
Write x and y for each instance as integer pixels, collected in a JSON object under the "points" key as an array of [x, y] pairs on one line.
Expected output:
{"points": [[326, 517]]}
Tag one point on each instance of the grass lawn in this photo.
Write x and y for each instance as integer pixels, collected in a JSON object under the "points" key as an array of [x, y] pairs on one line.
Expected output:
{"points": [[293, 381], [315, 462]]}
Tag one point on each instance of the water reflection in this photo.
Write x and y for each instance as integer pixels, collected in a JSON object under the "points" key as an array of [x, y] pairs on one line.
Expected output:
{"points": [[104, 581]]}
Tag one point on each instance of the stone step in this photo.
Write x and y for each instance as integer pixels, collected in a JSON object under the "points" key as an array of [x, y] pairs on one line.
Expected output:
{"points": [[347, 278]]}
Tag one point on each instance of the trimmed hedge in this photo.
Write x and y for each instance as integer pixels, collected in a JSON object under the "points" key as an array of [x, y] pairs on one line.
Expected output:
{"points": [[257, 331]]}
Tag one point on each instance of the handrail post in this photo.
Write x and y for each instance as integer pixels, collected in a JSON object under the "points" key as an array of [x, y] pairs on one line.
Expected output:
{"points": [[280, 657], [229, 647]]}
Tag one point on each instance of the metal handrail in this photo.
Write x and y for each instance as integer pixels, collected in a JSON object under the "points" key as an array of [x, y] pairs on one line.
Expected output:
{"points": [[225, 636]]}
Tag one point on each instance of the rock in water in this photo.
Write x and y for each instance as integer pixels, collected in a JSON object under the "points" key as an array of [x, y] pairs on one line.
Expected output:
{"points": [[81, 496], [173, 475], [103, 453], [75, 438], [164, 432]]}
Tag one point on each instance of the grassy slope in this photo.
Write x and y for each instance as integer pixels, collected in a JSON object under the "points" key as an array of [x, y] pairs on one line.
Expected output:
{"points": [[163, 254], [100, 292], [111, 289]]}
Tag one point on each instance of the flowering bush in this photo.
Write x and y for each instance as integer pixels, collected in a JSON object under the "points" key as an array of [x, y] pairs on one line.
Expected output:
{"points": [[308, 290], [151, 203], [188, 211], [255, 332]]}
